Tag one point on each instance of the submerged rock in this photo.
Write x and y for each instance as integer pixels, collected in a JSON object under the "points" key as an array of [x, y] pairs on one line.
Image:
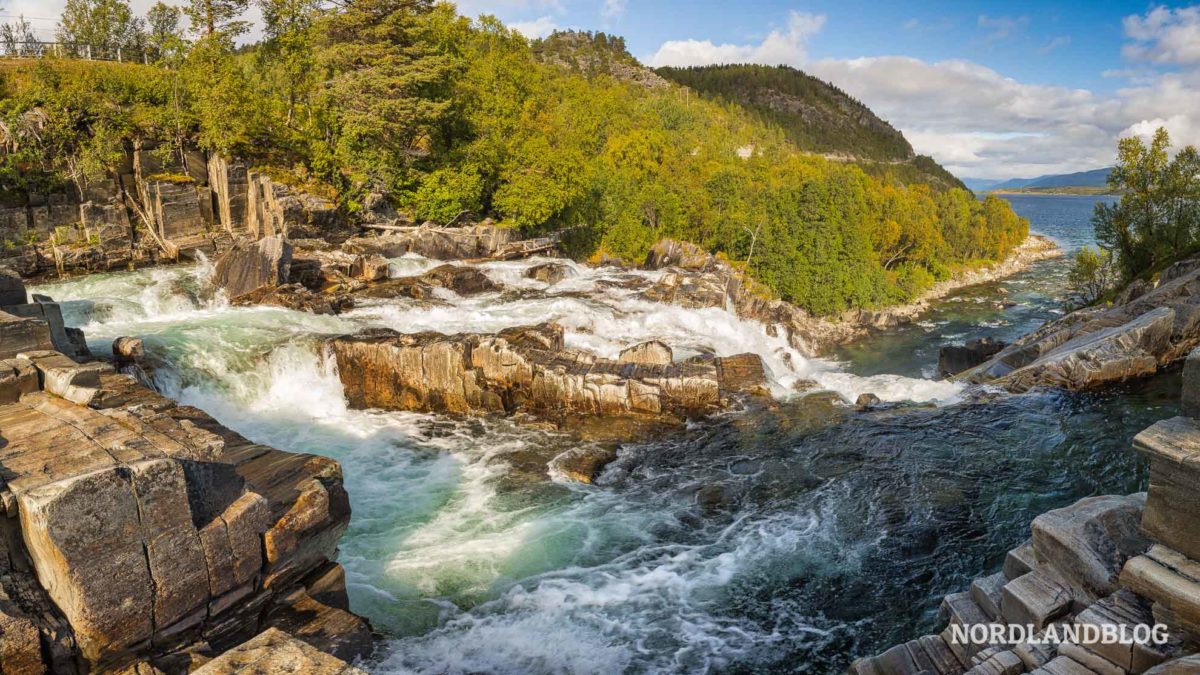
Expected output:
{"points": [[954, 359], [585, 463], [529, 369]]}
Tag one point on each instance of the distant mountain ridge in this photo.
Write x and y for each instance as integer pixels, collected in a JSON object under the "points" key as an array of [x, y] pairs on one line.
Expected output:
{"points": [[817, 117], [1094, 179]]}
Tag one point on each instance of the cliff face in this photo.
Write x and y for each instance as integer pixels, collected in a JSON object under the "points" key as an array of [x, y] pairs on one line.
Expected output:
{"points": [[137, 533]]}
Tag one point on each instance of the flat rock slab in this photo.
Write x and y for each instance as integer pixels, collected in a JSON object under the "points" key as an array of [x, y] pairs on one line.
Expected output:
{"points": [[274, 651]]}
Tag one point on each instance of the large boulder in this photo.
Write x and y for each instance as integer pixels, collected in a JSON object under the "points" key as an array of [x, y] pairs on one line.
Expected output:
{"points": [[653, 352], [528, 369], [249, 266], [1087, 542], [274, 651], [1171, 447], [549, 273]]}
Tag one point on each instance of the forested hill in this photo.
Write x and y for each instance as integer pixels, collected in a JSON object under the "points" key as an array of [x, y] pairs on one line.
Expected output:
{"points": [[442, 114], [817, 117]]}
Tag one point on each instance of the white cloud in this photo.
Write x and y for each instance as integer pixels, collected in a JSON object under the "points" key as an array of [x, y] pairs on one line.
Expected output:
{"points": [[1055, 43], [538, 28], [1001, 27], [612, 10], [787, 46], [1163, 35]]}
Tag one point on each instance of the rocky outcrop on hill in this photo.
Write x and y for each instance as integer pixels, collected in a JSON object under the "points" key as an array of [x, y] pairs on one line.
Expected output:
{"points": [[530, 370], [1111, 563], [1097, 346], [142, 536]]}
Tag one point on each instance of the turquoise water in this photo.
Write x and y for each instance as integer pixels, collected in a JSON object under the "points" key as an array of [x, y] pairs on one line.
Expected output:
{"points": [[787, 539]]}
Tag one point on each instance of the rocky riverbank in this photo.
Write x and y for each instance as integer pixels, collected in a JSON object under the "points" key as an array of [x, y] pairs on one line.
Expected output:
{"points": [[1148, 326], [142, 536], [1111, 563]]}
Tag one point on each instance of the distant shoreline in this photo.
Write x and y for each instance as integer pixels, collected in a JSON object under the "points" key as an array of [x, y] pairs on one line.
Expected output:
{"points": [[1059, 192]]}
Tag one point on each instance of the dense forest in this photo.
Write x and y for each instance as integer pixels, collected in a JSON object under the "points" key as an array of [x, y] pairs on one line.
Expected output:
{"points": [[445, 114], [817, 117]]}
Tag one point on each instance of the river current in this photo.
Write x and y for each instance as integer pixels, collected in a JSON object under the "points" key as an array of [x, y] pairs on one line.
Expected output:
{"points": [[791, 538]]}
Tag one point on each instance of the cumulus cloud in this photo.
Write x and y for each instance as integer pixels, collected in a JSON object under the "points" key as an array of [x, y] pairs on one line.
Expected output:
{"points": [[786, 46], [1166, 36]]}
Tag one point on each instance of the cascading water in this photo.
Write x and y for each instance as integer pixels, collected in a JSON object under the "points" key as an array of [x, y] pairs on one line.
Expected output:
{"points": [[787, 539]]}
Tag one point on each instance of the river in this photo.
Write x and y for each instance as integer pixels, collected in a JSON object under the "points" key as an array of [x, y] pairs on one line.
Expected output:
{"points": [[785, 539]]}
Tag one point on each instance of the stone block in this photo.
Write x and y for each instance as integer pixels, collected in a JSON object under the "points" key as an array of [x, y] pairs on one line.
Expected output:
{"points": [[1172, 512], [987, 593], [1087, 542], [84, 537], [18, 334], [17, 378], [1171, 581], [1062, 665], [1036, 598]]}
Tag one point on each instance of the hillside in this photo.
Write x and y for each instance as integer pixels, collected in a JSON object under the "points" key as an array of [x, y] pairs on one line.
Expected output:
{"points": [[442, 115], [817, 117]]}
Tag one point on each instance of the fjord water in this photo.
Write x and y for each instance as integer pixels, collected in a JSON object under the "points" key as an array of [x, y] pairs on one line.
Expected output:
{"points": [[787, 538]]}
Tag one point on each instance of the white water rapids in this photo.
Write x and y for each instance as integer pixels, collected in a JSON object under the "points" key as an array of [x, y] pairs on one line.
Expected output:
{"points": [[469, 564]]}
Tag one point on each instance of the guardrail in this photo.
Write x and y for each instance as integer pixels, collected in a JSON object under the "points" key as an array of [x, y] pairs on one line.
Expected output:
{"points": [[33, 49]]}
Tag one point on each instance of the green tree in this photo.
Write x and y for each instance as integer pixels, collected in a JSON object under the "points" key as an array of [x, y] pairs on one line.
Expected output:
{"points": [[164, 34], [386, 94], [1158, 216], [1091, 274], [288, 48], [100, 28], [217, 17]]}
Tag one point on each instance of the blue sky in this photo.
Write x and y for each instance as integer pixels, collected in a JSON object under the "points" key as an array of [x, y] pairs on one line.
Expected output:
{"points": [[990, 89]]}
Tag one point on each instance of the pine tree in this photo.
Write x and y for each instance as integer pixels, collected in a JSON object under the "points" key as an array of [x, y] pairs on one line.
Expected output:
{"points": [[217, 17], [386, 90]]}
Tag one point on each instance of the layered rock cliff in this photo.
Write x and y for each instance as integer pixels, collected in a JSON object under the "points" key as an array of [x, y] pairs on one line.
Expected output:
{"points": [[140, 535]]}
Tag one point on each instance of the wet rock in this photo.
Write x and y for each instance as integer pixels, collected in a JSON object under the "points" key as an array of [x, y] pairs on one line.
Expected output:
{"points": [[461, 280], [153, 529], [712, 498], [549, 273], [1096, 346], [867, 400], [1190, 401], [128, 350], [526, 369], [585, 463], [370, 267], [653, 352], [954, 359], [12, 288], [299, 298], [248, 267], [450, 243], [1088, 541], [274, 651]]}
